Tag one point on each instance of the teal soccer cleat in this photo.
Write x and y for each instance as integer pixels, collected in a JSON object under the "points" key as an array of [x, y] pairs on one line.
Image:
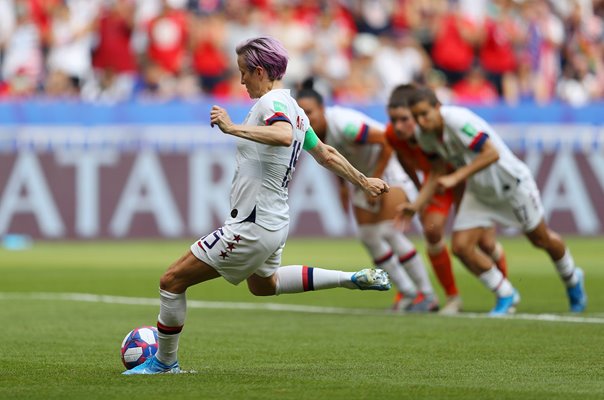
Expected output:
{"points": [[371, 279], [576, 294], [505, 305], [153, 366]]}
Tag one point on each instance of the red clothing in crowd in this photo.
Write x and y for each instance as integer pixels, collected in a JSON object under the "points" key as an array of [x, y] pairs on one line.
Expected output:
{"points": [[168, 40], [475, 92], [113, 50], [450, 51], [497, 52]]}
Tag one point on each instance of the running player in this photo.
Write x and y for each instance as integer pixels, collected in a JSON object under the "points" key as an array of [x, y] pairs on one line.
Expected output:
{"points": [[499, 188], [401, 135], [249, 245], [361, 140]]}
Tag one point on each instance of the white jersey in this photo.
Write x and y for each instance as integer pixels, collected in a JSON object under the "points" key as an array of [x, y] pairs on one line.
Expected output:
{"points": [[347, 131], [263, 172], [463, 136]]}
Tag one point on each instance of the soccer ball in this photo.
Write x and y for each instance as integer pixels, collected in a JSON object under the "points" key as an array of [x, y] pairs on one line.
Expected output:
{"points": [[139, 345]]}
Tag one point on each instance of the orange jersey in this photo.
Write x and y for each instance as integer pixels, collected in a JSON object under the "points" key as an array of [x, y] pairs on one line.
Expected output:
{"points": [[413, 154], [409, 152]]}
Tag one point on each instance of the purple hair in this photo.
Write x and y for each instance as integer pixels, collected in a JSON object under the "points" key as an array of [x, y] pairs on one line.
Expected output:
{"points": [[265, 52]]}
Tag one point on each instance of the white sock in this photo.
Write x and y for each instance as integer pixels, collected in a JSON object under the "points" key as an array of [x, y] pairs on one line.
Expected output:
{"points": [[300, 278], [172, 312], [417, 271], [397, 274], [407, 256], [494, 280], [566, 269]]}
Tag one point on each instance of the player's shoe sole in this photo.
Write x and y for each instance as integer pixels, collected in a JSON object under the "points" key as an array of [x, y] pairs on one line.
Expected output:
{"points": [[371, 279], [152, 367]]}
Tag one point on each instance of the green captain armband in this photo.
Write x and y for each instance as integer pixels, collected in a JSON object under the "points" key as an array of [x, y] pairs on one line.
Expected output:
{"points": [[310, 139]]}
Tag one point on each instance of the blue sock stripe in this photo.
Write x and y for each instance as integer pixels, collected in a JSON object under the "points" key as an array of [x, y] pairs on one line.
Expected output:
{"points": [[311, 283]]}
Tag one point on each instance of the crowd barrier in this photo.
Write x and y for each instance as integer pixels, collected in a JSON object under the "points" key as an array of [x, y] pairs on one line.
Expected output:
{"points": [[80, 171]]}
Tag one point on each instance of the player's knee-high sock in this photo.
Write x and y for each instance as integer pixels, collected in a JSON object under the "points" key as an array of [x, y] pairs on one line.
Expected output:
{"points": [[498, 256], [566, 269], [383, 257], [407, 256], [443, 269], [300, 278], [172, 312], [494, 280]]}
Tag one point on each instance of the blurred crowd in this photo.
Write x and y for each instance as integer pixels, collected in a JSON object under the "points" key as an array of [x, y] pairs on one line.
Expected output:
{"points": [[471, 51]]}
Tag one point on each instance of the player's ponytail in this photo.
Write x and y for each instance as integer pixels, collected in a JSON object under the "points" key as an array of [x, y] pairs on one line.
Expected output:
{"points": [[307, 90]]}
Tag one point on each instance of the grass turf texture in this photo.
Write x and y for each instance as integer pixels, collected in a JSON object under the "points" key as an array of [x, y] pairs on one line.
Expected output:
{"points": [[70, 350]]}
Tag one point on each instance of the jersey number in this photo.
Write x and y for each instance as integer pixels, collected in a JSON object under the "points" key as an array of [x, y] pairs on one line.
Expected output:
{"points": [[292, 163]]}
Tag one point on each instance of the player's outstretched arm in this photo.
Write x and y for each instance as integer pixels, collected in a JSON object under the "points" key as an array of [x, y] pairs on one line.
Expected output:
{"points": [[488, 155], [278, 134], [407, 210], [331, 159]]}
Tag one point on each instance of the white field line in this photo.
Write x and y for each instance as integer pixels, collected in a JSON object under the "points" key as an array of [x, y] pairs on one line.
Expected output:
{"points": [[224, 305]]}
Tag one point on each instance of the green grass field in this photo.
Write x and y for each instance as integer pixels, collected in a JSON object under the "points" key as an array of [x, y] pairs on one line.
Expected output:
{"points": [[68, 348]]}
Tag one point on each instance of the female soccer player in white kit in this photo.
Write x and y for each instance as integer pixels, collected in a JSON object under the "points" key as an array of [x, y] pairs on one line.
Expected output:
{"points": [[249, 245], [361, 140], [500, 188]]}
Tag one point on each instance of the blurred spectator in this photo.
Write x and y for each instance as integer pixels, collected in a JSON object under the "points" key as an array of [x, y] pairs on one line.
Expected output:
{"points": [[332, 53], [454, 43], [231, 88], [70, 44], [168, 35], [59, 85], [474, 88], [373, 16], [522, 87], [501, 35], [210, 61], [243, 22], [40, 12], [362, 84], [7, 23], [578, 85], [114, 28], [399, 60], [296, 34], [423, 19], [545, 38], [22, 59]]}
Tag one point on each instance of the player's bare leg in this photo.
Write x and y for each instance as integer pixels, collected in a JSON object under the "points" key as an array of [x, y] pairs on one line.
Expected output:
{"points": [[544, 238], [465, 247], [489, 245]]}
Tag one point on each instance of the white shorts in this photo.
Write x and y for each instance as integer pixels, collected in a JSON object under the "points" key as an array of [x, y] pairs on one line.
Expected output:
{"points": [[522, 209], [395, 176], [239, 250]]}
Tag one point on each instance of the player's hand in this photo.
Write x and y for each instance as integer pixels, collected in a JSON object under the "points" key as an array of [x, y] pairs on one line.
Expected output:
{"points": [[375, 187], [219, 116], [404, 215], [446, 182]]}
